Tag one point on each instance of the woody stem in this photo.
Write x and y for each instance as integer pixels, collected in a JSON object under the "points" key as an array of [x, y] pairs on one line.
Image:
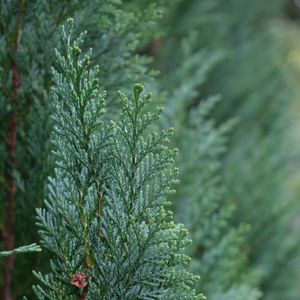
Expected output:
{"points": [[9, 238], [84, 293]]}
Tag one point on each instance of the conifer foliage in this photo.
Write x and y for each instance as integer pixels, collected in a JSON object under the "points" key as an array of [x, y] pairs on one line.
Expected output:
{"points": [[24, 249], [217, 249], [200, 202], [106, 221], [253, 79], [28, 34]]}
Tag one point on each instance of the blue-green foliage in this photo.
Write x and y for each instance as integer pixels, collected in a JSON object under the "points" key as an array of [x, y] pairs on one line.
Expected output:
{"points": [[218, 248], [117, 30], [274, 241], [257, 168], [21, 250], [253, 81], [106, 212]]}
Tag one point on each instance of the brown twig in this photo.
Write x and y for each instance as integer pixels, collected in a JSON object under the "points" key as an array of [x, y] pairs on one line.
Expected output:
{"points": [[9, 237]]}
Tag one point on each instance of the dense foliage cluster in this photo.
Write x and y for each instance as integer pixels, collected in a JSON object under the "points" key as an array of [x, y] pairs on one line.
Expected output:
{"points": [[108, 195], [95, 167]]}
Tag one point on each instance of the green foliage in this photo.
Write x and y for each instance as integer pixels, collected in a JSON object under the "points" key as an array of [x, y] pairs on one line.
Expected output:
{"points": [[253, 81], [238, 293], [218, 248], [106, 212], [273, 238], [24, 249], [116, 31]]}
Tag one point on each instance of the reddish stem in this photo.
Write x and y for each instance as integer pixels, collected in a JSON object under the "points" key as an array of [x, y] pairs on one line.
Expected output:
{"points": [[84, 293], [9, 237], [11, 187], [154, 46]]}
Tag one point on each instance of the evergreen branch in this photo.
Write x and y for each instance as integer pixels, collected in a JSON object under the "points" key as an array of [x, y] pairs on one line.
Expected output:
{"points": [[24, 249], [128, 246]]}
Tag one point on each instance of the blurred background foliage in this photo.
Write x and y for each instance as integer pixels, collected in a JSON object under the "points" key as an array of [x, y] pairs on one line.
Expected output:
{"points": [[258, 83], [227, 72]]}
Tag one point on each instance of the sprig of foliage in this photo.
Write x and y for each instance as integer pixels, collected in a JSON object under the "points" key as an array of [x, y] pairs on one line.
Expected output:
{"points": [[106, 218], [24, 249]]}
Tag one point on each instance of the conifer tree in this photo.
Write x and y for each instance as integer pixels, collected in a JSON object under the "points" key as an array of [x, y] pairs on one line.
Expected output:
{"points": [[106, 221], [28, 35], [261, 150], [218, 248], [252, 80]]}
